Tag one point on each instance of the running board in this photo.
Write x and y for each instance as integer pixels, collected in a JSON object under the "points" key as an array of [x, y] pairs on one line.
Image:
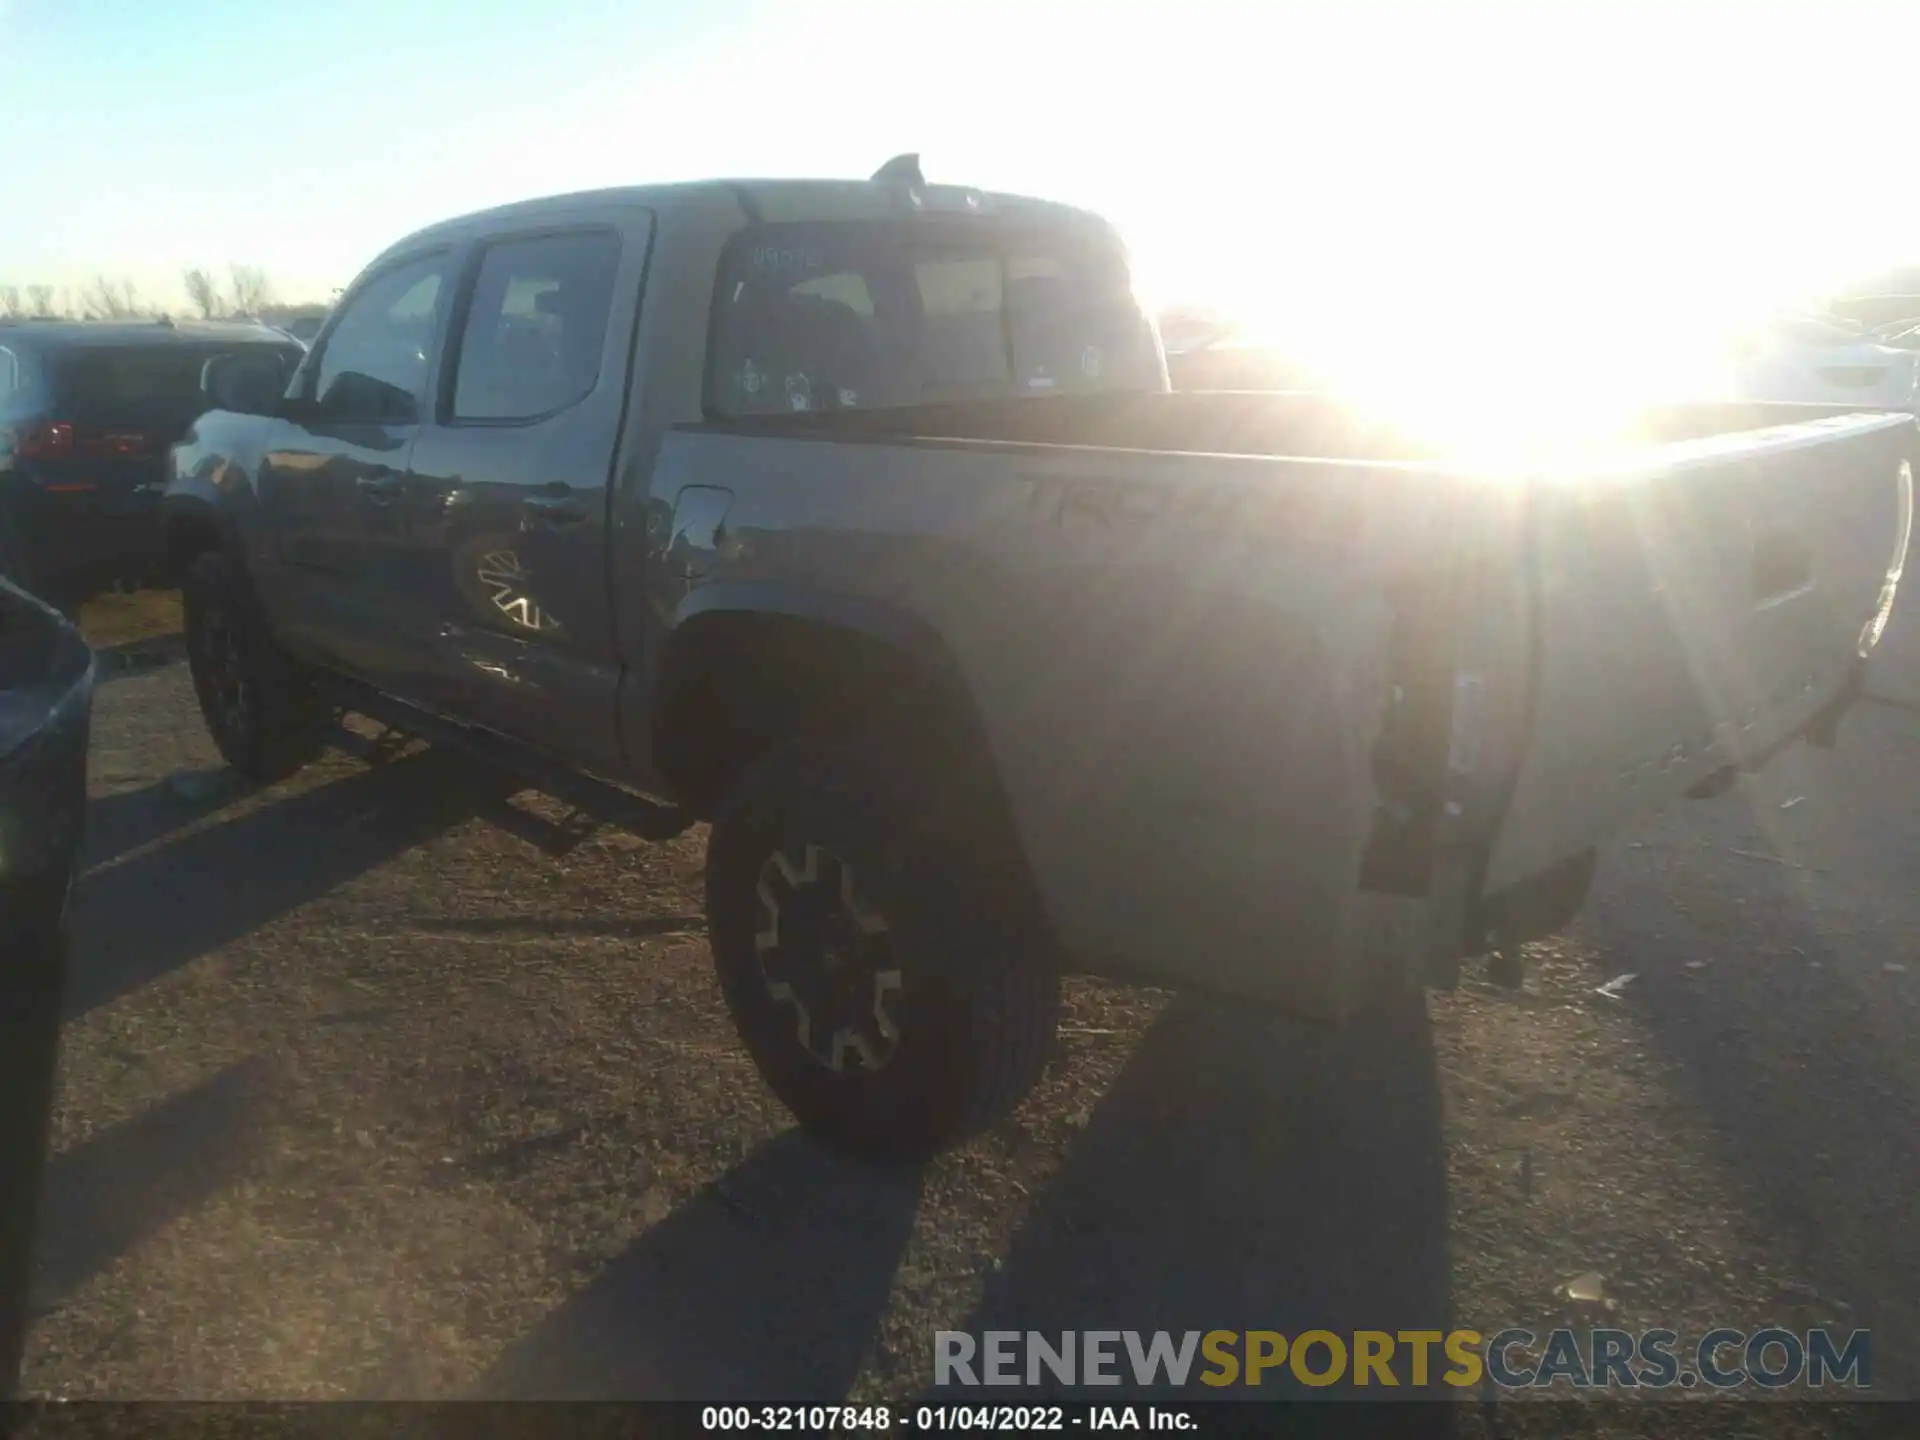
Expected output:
{"points": [[610, 804]]}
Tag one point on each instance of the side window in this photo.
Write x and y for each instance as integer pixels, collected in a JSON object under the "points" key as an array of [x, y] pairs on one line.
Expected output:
{"points": [[374, 367], [536, 327], [18, 383]]}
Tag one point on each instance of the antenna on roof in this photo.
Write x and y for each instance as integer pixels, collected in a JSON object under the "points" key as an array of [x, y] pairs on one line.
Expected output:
{"points": [[902, 169]]}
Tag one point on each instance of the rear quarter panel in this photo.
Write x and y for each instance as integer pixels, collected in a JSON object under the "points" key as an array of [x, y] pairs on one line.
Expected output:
{"points": [[1178, 661]]}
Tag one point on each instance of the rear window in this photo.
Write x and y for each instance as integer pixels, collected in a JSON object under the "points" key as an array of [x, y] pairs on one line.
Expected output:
{"points": [[865, 315], [135, 381]]}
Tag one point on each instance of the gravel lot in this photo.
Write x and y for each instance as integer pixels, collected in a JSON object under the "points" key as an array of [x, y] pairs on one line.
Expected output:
{"points": [[385, 1083]]}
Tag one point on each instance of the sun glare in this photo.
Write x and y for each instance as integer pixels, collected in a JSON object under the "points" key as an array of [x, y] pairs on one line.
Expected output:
{"points": [[1506, 372], [1516, 259]]}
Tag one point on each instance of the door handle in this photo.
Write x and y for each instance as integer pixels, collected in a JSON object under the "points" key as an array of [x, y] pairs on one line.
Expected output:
{"points": [[379, 487], [554, 509]]}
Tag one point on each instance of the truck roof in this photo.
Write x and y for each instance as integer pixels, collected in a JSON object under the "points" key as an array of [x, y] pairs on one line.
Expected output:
{"points": [[775, 201], [70, 334]]}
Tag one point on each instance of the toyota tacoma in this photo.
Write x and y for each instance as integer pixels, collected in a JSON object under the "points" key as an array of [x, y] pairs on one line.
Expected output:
{"points": [[858, 521]]}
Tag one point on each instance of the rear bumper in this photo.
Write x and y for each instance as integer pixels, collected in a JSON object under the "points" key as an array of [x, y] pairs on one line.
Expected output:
{"points": [[83, 542]]}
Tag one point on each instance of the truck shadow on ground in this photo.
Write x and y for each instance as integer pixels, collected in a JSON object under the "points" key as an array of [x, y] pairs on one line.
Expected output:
{"points": [[767, 1288], [129, 819], [109, 1193], [1244, 1172], [1790, 1031], [145, 917]]}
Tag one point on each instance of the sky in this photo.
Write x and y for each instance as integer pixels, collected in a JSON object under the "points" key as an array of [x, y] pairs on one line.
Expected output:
{"points": [[1376, 167]]}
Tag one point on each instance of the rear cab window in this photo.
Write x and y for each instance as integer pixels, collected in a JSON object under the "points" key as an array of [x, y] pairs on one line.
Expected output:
{"points": [[154, 386], [864, 315]]}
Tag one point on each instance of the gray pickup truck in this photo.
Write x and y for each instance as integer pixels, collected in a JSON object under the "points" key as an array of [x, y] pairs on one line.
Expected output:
{"points": [[858, 520]]}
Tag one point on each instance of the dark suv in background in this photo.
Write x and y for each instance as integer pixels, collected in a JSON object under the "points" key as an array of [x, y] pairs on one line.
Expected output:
{"points": [[88, 410]]}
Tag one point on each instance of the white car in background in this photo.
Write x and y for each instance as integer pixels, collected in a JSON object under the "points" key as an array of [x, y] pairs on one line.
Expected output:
{"points": [[1828, 360]]}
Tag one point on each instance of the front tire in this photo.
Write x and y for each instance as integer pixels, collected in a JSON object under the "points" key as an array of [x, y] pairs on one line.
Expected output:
{"points": [[876, 953], [263, 709]]}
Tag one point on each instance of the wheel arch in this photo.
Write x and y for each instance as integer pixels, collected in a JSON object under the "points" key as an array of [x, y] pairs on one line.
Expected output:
{"points": [[193, 521], [742, 667]]}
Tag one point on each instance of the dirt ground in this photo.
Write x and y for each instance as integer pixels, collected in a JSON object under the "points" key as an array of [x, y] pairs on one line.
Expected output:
{"points": [[385, 1083]]}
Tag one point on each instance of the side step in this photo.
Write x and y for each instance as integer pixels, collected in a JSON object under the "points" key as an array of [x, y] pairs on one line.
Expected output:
{"points": [[607, 803]]}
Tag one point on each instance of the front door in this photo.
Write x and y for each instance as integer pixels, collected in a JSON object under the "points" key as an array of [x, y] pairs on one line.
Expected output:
{"points": [[341, 457], [505, 557]]}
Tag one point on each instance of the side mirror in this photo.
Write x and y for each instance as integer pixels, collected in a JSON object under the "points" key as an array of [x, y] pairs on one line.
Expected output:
{"points": [[249, 384]]}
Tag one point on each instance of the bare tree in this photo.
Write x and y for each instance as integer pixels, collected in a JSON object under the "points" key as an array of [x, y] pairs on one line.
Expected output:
{"points": [[204, 291], [40, 299], [109, 299], [251, 290], [101, 299], [10, 300]]}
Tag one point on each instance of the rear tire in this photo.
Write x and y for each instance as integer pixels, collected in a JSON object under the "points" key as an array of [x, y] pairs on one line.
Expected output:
{"points": [[875, 950], [264, 710]]}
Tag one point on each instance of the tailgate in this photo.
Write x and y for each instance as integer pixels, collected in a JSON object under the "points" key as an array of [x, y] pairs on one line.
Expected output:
{"points": [[1695, 610]]}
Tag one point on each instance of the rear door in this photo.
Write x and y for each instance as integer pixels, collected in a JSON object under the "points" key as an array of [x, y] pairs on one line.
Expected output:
{"points": [[496, 559], [341, 457], [1699, 611]]}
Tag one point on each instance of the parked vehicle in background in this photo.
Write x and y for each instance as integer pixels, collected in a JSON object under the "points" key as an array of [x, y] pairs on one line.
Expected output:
{"points": [[858, 519], [1889, 299], [88, 410], [46, 694], [1826, 360], [304, 327], [1207, 352], [1182, 331], [1241, 365]]}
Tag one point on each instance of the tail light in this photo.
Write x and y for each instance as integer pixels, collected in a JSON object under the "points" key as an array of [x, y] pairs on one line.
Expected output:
{"points": [[51, 441], [64, 440]]}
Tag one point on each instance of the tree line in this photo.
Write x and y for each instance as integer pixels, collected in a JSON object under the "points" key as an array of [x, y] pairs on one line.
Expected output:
{"points": [[244, 291]]}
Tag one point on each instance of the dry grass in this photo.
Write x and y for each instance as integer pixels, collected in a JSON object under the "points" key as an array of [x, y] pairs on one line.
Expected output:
{"points": [[111, 620]]}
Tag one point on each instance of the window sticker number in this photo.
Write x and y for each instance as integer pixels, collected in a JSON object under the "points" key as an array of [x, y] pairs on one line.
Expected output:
{"points": [[783, 259]]}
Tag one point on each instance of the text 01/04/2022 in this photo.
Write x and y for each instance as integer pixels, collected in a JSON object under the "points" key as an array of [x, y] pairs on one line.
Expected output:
{"points": [[1006, 1419]]}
